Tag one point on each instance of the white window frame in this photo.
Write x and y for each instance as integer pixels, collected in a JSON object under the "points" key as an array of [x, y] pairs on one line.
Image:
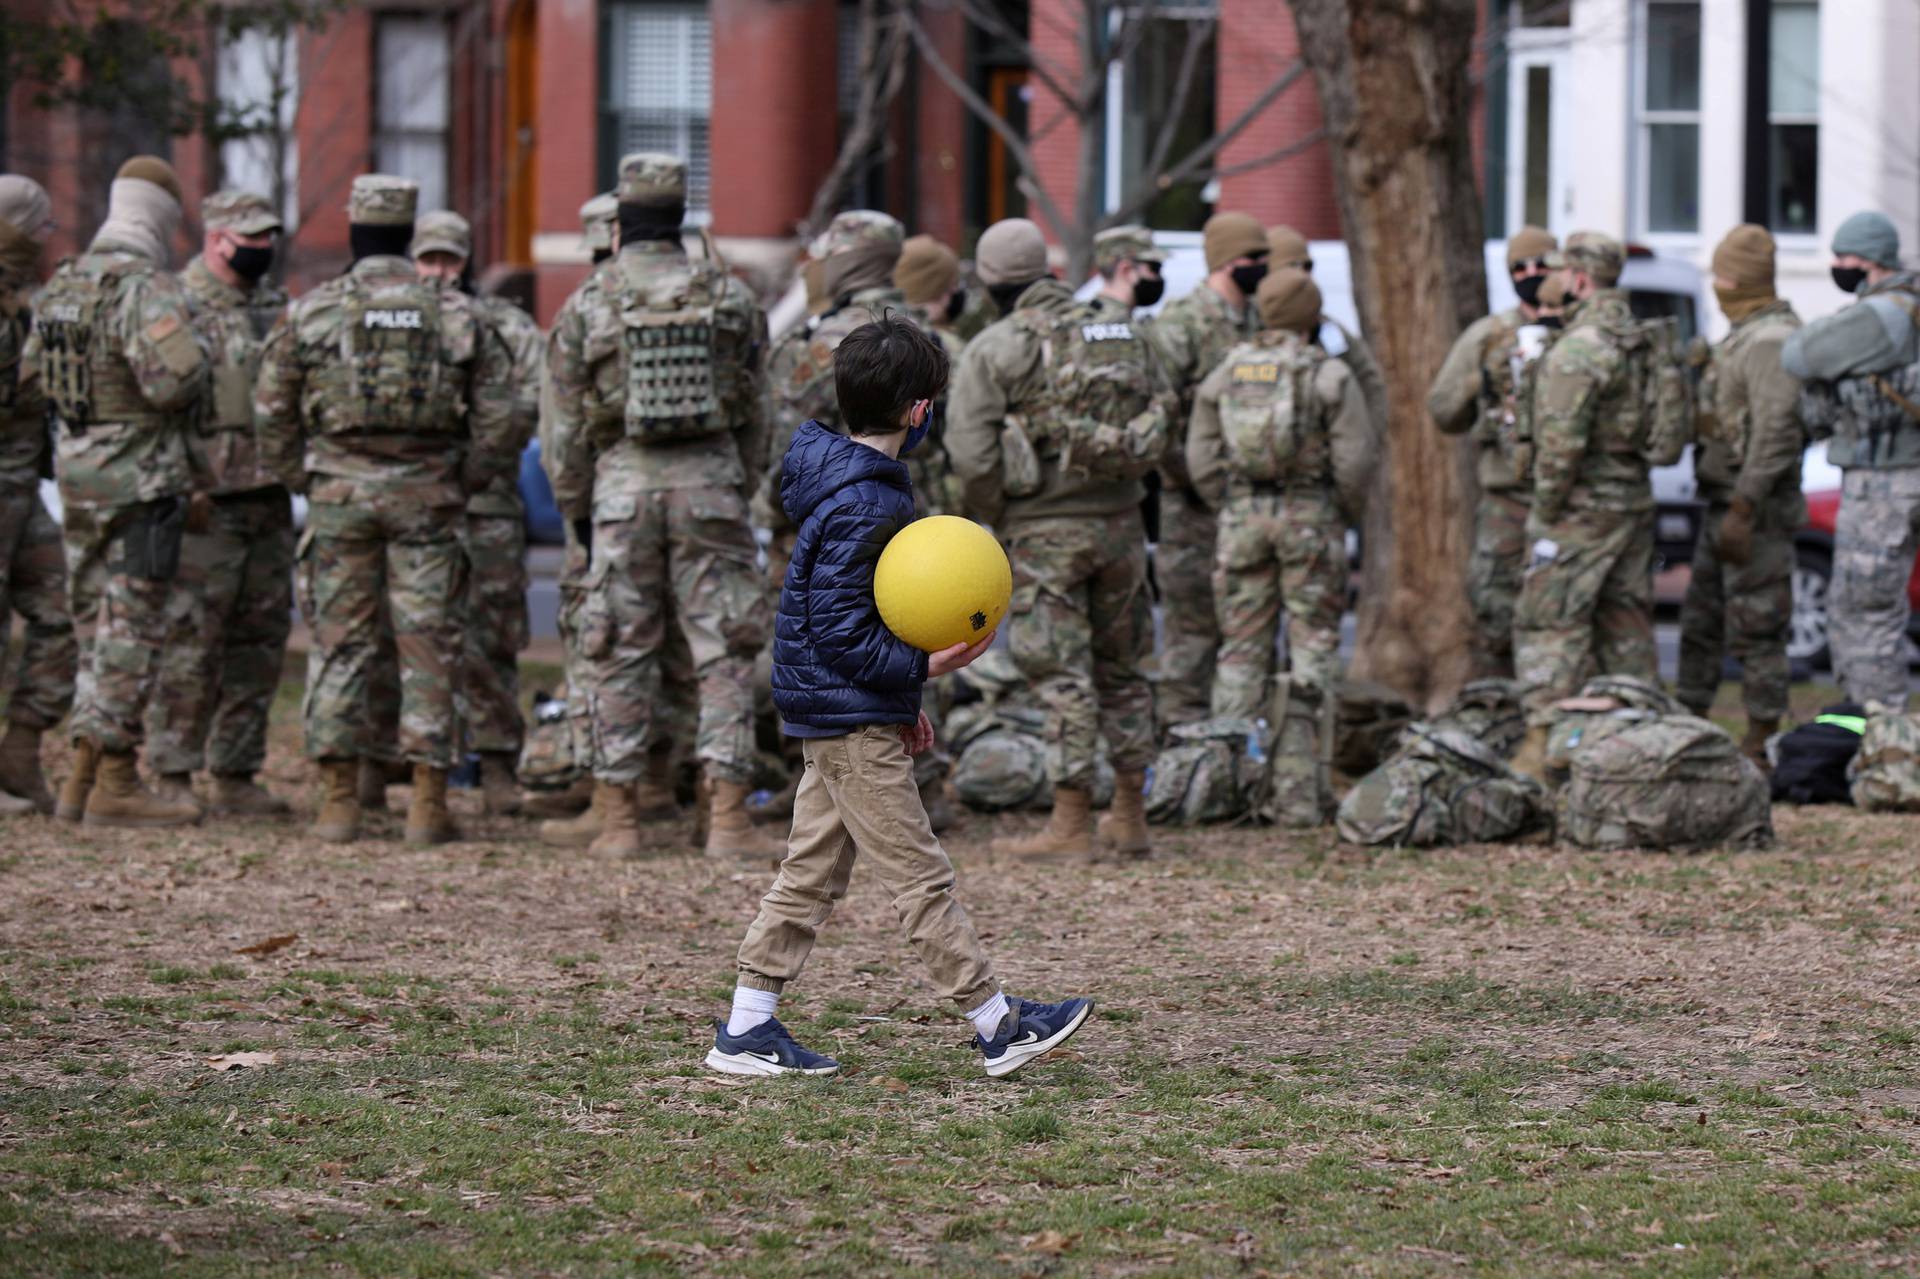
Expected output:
{"points": [[1116, 102], [434, 98], [699, 201], [1552, 48], [1644, 119], [243, 78]]}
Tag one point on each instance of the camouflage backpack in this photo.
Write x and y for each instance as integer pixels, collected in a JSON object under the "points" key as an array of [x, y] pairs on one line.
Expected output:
{"points": [[1606, 705], [1673, 781], [1268, 418], [393, 351], [1885, 773], [1441, 787], [1214, 771], [1368, 720], [548, 759], [1095, 408], [1662, 387], [1001, 759], [668, 331], [1489, 711]]}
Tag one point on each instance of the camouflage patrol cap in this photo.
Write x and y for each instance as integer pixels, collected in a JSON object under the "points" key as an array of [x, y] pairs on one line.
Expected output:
{"points": [[597, 219], [1598, 255], [652, 177], [241, 212], [1124, 244], [380, 199], [860, 229], [442, 231]]}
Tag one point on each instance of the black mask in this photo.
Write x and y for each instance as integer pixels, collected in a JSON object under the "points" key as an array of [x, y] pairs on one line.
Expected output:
{"points": [[369, 240], [1005, 295], [956, 305], [1247, 278], [1528, 288], [1552, 322], [640, 222], [1148, 290], [601, 255], [249, 261], [1847, 278]]}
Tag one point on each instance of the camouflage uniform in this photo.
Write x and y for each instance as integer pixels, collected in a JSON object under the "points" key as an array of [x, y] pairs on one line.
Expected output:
{"points": [[667, 505], [1750, 449], [1081, 623], [1193, 335], [114, 348], [1476, 391], [33, 571], [232, 606], [1587, 596], [388, 466]]}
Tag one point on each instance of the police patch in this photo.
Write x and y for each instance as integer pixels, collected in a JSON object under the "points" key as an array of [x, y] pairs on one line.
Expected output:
{"points": [[1116, 331], [394, 318], [1256, 372]]}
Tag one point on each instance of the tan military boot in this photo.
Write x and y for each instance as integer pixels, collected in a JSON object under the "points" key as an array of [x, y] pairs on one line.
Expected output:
{"points": [[731, 835], [1124, 828], [177, 788], [653, 797], [370, 786], [428, 821], [499, 788], [619, 824], [1068, 833], [72, 805], [1531, 759], [1754, 745], [339, 818], [570, 802], [581, 831], [118, 799], [20, 771], [238, 795]]}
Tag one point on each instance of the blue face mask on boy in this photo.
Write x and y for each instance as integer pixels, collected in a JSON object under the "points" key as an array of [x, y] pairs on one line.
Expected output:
{"points": [[915, 434]]}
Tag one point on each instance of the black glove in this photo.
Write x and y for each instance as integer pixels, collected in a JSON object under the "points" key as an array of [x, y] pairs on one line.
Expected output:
{"points": [[583, 534]]}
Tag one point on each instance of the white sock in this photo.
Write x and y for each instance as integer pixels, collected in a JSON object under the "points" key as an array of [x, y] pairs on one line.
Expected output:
{"points": [[987, 1017], [750, 1008]]}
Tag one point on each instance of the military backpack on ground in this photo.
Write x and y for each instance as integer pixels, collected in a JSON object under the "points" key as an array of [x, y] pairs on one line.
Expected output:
{"points": [[1606, 705], [1214, 770], [669, 329], [1489, 711], [1368, 721], [1095, 409], [1000, 759], [549, 759], [1674, 781], [1441, 787], [1885, 775], [1811, 762], [1273, 430]]}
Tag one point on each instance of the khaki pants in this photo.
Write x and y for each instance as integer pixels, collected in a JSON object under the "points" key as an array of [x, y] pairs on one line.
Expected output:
{"points": [[857, 796]]}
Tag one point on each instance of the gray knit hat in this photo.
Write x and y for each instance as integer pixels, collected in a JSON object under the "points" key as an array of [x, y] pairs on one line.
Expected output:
{"points": [[1011, 251], [1869, 235]]}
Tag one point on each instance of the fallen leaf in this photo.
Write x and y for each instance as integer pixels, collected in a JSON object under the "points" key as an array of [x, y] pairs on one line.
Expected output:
{"points": [[1051, 1242], [267, 945], [235, 1061], [171, 1244], [890, 1084]]}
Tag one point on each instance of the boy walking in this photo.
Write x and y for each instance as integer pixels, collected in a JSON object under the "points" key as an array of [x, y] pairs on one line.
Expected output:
{"points": [[850, 690]]}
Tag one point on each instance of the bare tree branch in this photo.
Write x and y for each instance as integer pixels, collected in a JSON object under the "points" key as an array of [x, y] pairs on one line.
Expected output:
{"points": [[1152, 184], [1287, 152], [988, 18], [883, 69], [1197, 38]]}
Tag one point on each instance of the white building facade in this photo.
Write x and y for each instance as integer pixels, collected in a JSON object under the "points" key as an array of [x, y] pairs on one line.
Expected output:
{"points": [[1668, 122]]}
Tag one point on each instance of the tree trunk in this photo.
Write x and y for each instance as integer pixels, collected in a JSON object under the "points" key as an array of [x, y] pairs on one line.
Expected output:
{"points": [[1395, 92]]}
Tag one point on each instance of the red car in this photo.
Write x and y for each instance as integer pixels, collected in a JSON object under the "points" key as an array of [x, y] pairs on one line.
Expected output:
{"points": [[1813, 568]]}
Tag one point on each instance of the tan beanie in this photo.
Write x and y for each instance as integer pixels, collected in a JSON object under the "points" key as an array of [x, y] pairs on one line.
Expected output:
{"points": [[1553, 291], [1011, 251], [1745, 257], [151, 168], [1232, 235], [1286, 247], [24, 206], [1289, 300], [926, 270], [1529, 242]]}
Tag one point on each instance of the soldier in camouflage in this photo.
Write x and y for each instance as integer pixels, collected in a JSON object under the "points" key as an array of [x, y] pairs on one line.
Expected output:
{"points": [[1129, 266], [232, 605], [1861, 366], [33, 571], [1286, 247], [1058, 410], [1587, 594], [1281, 445], [1740, 597], [496, 529], [114, 349], [388, 401], [655, 383], [1475, 392], [928, 277], [1194, 334]]}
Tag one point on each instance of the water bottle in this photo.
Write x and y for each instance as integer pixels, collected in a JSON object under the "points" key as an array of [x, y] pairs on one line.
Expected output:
{"points": [[1257, 741]]}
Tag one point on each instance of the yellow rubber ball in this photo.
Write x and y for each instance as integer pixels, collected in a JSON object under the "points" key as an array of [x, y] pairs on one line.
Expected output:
{"points": [[942, 581]]}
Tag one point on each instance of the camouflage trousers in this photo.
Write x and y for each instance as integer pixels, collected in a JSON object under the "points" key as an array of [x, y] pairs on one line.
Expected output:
{"points": [[1588, 609], [227, 624], [496, 632], [672, 559], [1493, 576], [1183, 568], [1745, 611], [120, 622], [1080, 628], [1277, 552], [395, 557], [1873, 549], [34, 585]]}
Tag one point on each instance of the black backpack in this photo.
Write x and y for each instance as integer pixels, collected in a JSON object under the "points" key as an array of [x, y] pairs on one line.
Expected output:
{"points": [[1813, 758]]}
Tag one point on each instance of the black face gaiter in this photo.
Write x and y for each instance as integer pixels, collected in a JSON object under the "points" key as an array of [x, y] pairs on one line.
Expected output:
{"points": [[251, 261], [1005, 295], [1529, 289], [1148, 291], [1847, 278], [368, 241], [601, 255], [651, 222], [1247, 278], [956, 304]]}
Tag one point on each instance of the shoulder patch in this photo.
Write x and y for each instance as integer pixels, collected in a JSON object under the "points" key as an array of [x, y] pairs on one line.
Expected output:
{"points": [[163, 328]]}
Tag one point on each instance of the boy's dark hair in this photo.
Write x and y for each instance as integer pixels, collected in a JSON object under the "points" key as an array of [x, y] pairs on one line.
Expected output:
{"points": [[881, 369]]}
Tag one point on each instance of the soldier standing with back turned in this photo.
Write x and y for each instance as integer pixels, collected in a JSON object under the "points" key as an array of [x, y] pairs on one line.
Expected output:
{"points": [[388, 402], [114, 349]]}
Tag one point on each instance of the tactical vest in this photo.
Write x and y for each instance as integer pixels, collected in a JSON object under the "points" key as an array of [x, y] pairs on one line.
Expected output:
{"points": [[1274, 431], [14, 323], [1500, 380], [1659, 386], [1879, 423], [229, 407], [81, 367], [668, 332], [395, 375], [1094, 410]]}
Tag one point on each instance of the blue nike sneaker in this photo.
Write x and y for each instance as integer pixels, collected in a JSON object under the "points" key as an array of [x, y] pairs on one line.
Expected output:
{"points": [[767, 1049], [1034, 1031]]}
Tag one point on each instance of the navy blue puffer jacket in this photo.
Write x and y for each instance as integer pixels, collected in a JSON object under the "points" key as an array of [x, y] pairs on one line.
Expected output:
{"points": [[836, 666]]}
